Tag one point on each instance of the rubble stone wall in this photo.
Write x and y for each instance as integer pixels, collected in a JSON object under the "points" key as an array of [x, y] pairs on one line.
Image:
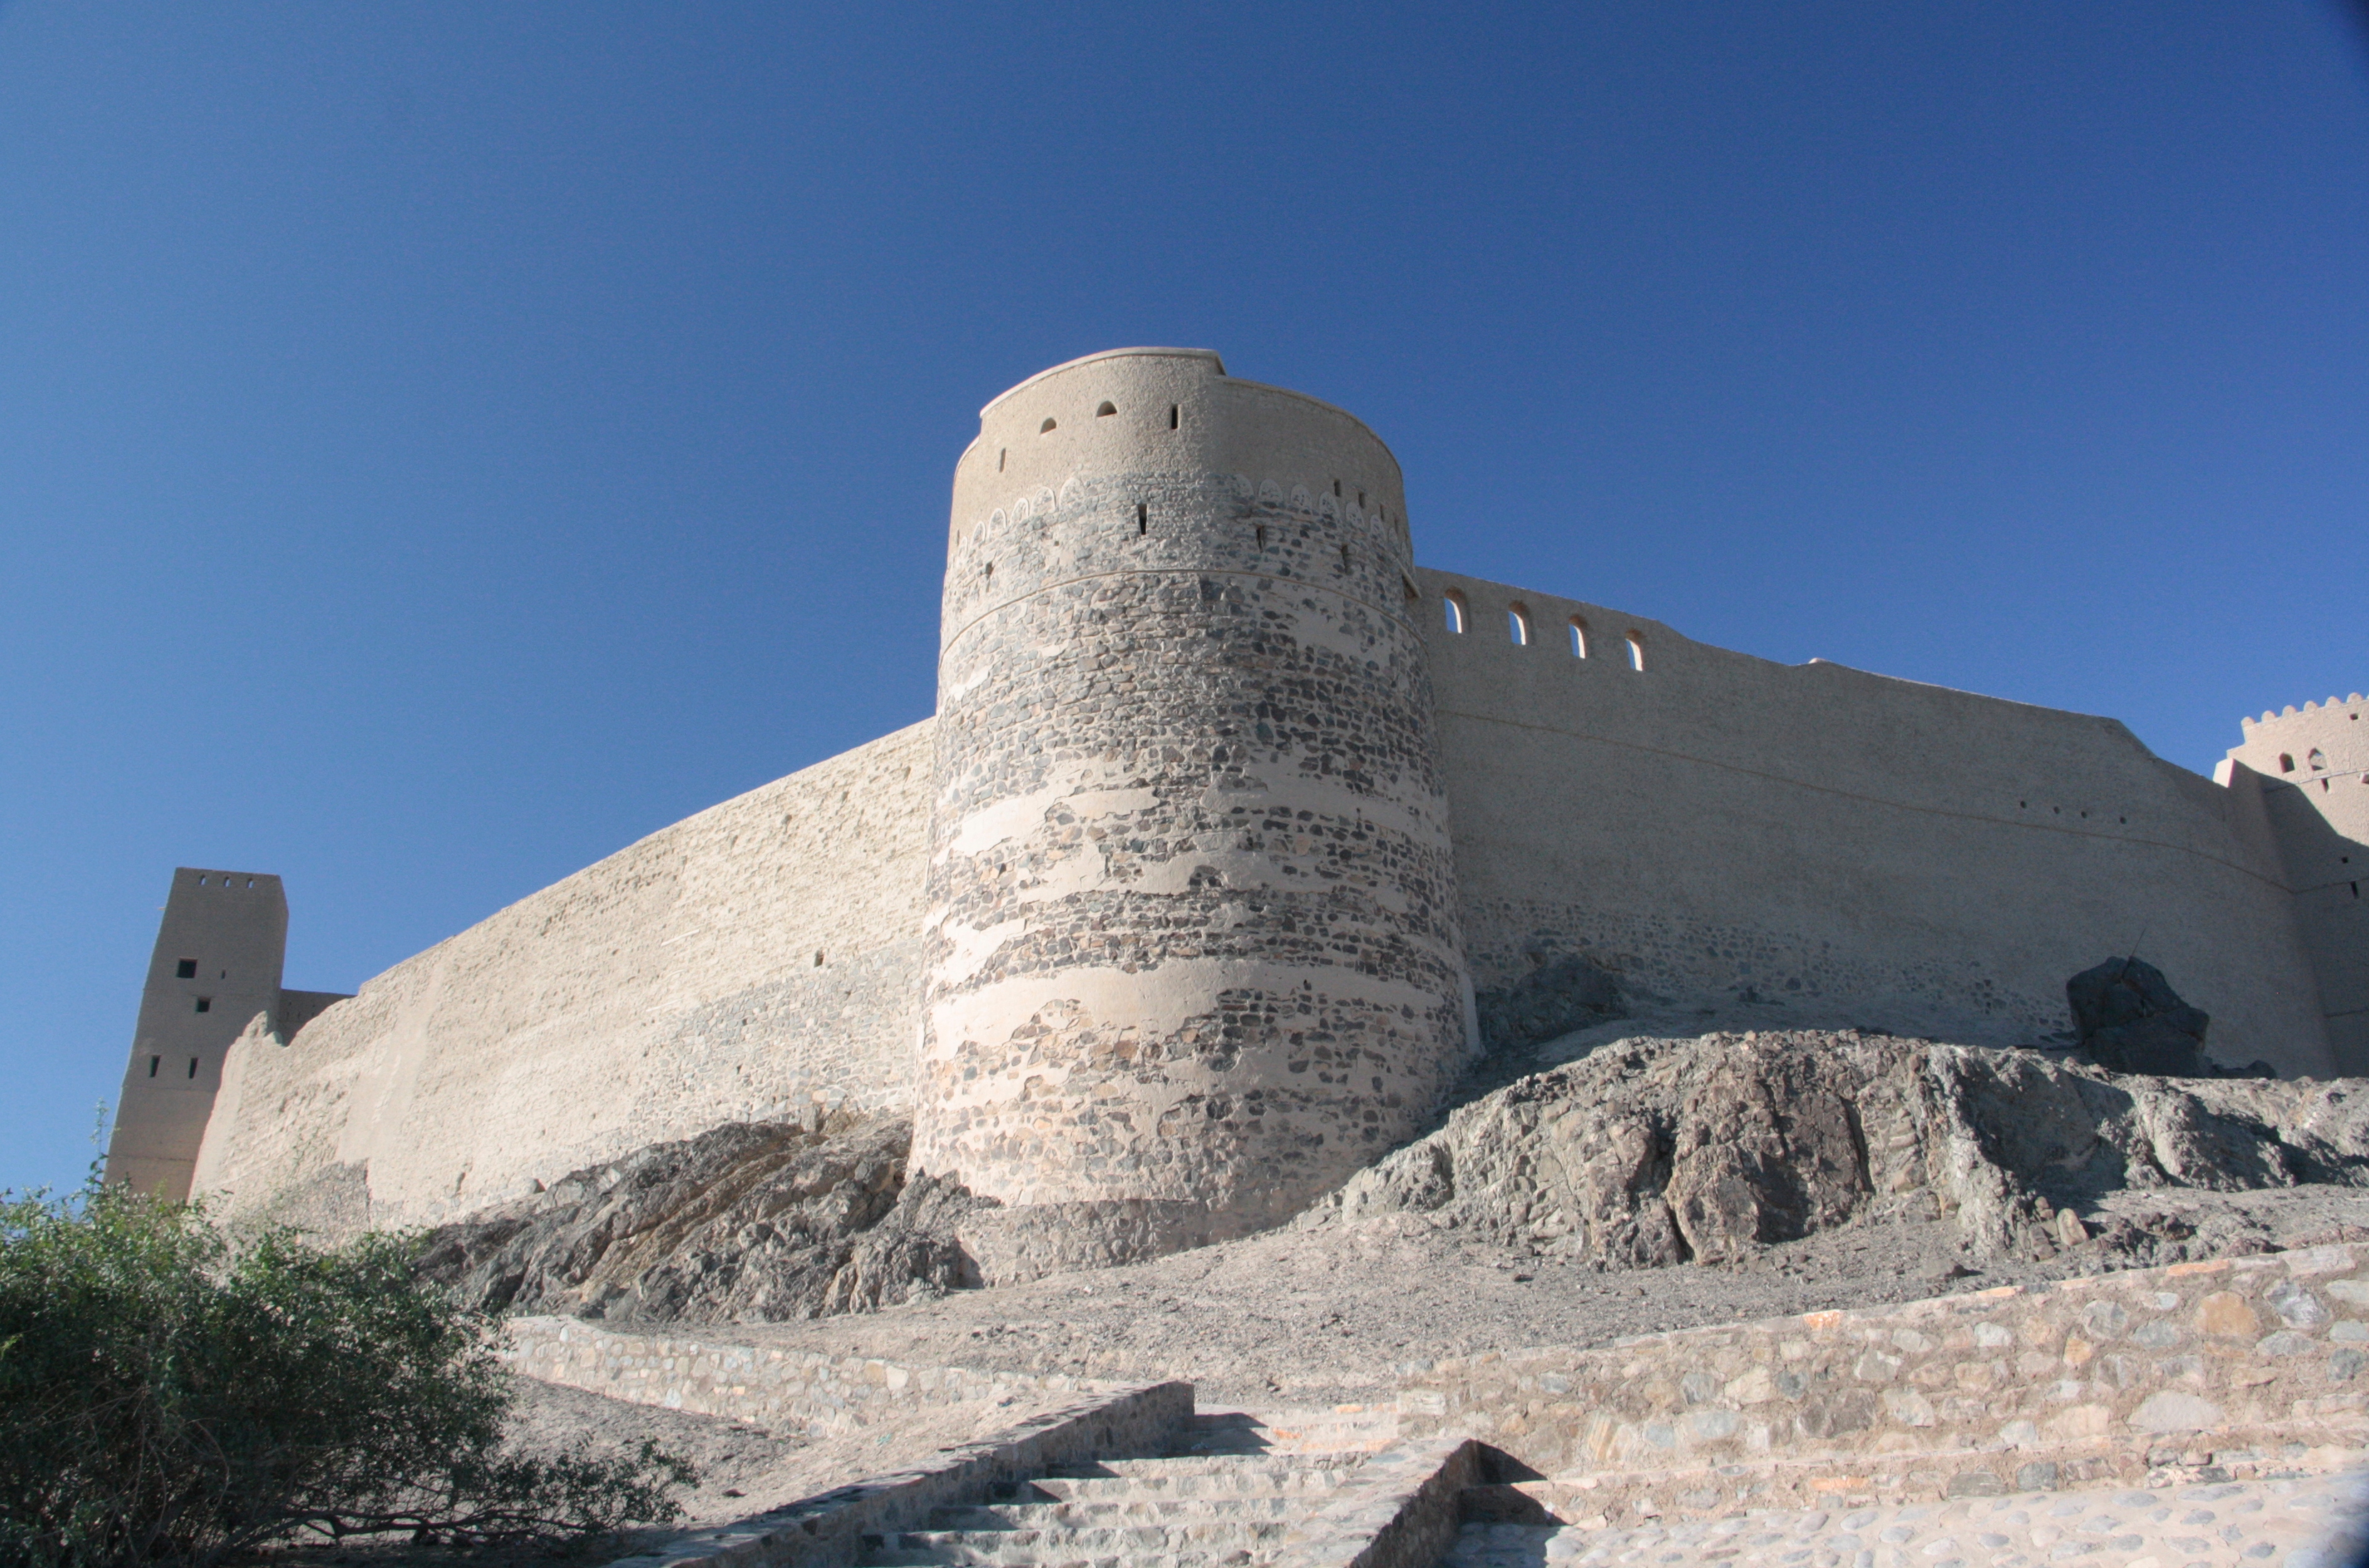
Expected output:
{"points": [[1834, 848], [2234, 1368], [743, 964]]}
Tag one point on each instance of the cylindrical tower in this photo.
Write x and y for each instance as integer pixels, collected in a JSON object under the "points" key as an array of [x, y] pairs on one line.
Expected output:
{"points": [[1194, 952]]}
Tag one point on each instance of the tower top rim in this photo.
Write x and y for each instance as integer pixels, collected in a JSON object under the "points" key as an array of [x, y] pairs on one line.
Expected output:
{"points": [[1020, 386]]}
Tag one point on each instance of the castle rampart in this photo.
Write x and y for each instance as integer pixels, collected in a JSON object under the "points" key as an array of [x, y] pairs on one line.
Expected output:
{"points": [[756, 960], [1192, 944], [1853, 848], [2310, 771]]}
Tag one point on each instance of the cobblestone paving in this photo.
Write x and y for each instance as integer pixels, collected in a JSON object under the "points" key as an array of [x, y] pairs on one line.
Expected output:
{"points": [[2309, 1523]]}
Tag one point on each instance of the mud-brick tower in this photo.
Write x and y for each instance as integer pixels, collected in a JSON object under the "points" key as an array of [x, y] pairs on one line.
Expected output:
{"points": [[2314, 768], [1194, 952], [215, 968]]}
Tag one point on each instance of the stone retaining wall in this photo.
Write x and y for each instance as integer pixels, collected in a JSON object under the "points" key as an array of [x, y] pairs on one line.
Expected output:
{"points": [[2228, 1368], [768, 1387]]}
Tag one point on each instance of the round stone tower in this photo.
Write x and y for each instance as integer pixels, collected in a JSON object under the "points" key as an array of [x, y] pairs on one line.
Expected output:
{"points": [[1193, 946]]}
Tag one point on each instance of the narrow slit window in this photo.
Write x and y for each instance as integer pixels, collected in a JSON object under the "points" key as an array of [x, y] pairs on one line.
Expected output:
{"points": [[1336, 489], [1143, 518], [154, 1063], [1344, 557], [817, 959], [1171, 415], [1455, 604], [1517, 625], [1578, 637], [1000, 453], [193, 1067], [205, 1004], [1636, 650], [187, 969], [1261, 536], [1106, 410]]}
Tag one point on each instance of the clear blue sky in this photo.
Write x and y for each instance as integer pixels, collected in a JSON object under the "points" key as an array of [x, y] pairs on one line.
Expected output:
{"points": [[441, 443]]}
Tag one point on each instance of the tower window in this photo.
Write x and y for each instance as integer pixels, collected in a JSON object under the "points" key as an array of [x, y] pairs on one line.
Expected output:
{"points": [[1143, 521], [193, 1067], [205, 1004], [1261, 536], [187, 969], [1578, 637], [1106, 410], [2318, 760], [1455, 606], [1046, 429], [155, 1062], [817, 959], [1336, 489], [1517, 625], [1636, 650], [1171, 415], [2286, 764]]}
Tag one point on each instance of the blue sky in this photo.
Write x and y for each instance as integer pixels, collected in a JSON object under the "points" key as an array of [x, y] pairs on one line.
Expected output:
{"points": [[442, 444]]}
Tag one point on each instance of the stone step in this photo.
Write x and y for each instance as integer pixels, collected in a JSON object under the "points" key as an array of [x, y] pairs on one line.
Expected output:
{"points": [[1125, 1509], [1248, 1467], [1099, 1489], [1127, 1542]]}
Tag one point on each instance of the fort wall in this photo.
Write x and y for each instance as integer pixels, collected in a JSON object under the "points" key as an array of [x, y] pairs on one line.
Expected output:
{"points": [[746, 963], [1833, 845]]}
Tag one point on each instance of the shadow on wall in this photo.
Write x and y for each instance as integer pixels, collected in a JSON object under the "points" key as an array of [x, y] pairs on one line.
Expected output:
{"points": [[1562, 994]]}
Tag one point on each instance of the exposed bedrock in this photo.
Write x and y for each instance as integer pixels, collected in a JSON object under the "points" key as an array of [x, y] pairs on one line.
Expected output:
{"points": [[1653, 1152], [747, 1221]]}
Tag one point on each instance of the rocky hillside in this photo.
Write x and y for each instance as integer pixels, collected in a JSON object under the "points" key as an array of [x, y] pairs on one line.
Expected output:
{"points": [[757, 1222], [1645, 1152], [1657, 1151]]}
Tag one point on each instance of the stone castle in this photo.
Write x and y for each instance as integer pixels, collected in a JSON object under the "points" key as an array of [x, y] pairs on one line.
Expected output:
{"points": [[1235, 837]]}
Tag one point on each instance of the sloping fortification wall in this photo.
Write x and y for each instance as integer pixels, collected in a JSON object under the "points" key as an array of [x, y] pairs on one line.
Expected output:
{"points": [[743, 963], [1838, 846]]}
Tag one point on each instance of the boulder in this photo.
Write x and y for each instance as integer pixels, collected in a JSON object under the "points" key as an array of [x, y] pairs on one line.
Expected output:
{"points": [[2128, 1017]]}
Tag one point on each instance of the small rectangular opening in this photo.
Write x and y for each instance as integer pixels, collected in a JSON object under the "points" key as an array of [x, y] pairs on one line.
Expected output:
{"points": [[818, 960], [1171, 415], [193, 1067], [205, 1004], [1142, 517], [155, 1062], [187, 969]]}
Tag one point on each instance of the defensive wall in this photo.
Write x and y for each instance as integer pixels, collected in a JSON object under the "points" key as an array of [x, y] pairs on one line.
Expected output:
{"points": [[1856, 849], [1176, 606], [748, 963]]}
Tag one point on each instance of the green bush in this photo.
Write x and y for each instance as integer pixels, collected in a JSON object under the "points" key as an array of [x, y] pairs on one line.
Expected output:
{"points": [[165, 1397]]}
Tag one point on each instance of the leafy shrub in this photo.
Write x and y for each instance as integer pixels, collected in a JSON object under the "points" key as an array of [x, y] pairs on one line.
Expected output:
{"points": [[166, 1397]]}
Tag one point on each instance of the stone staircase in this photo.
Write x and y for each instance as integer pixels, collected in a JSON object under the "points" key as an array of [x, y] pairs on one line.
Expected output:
{"points": [[1228, 1493]]}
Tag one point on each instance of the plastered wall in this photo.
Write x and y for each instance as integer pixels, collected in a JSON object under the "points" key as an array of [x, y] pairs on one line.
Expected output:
{"points": [[669, 988], [1837, 846], [216, 969]]}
